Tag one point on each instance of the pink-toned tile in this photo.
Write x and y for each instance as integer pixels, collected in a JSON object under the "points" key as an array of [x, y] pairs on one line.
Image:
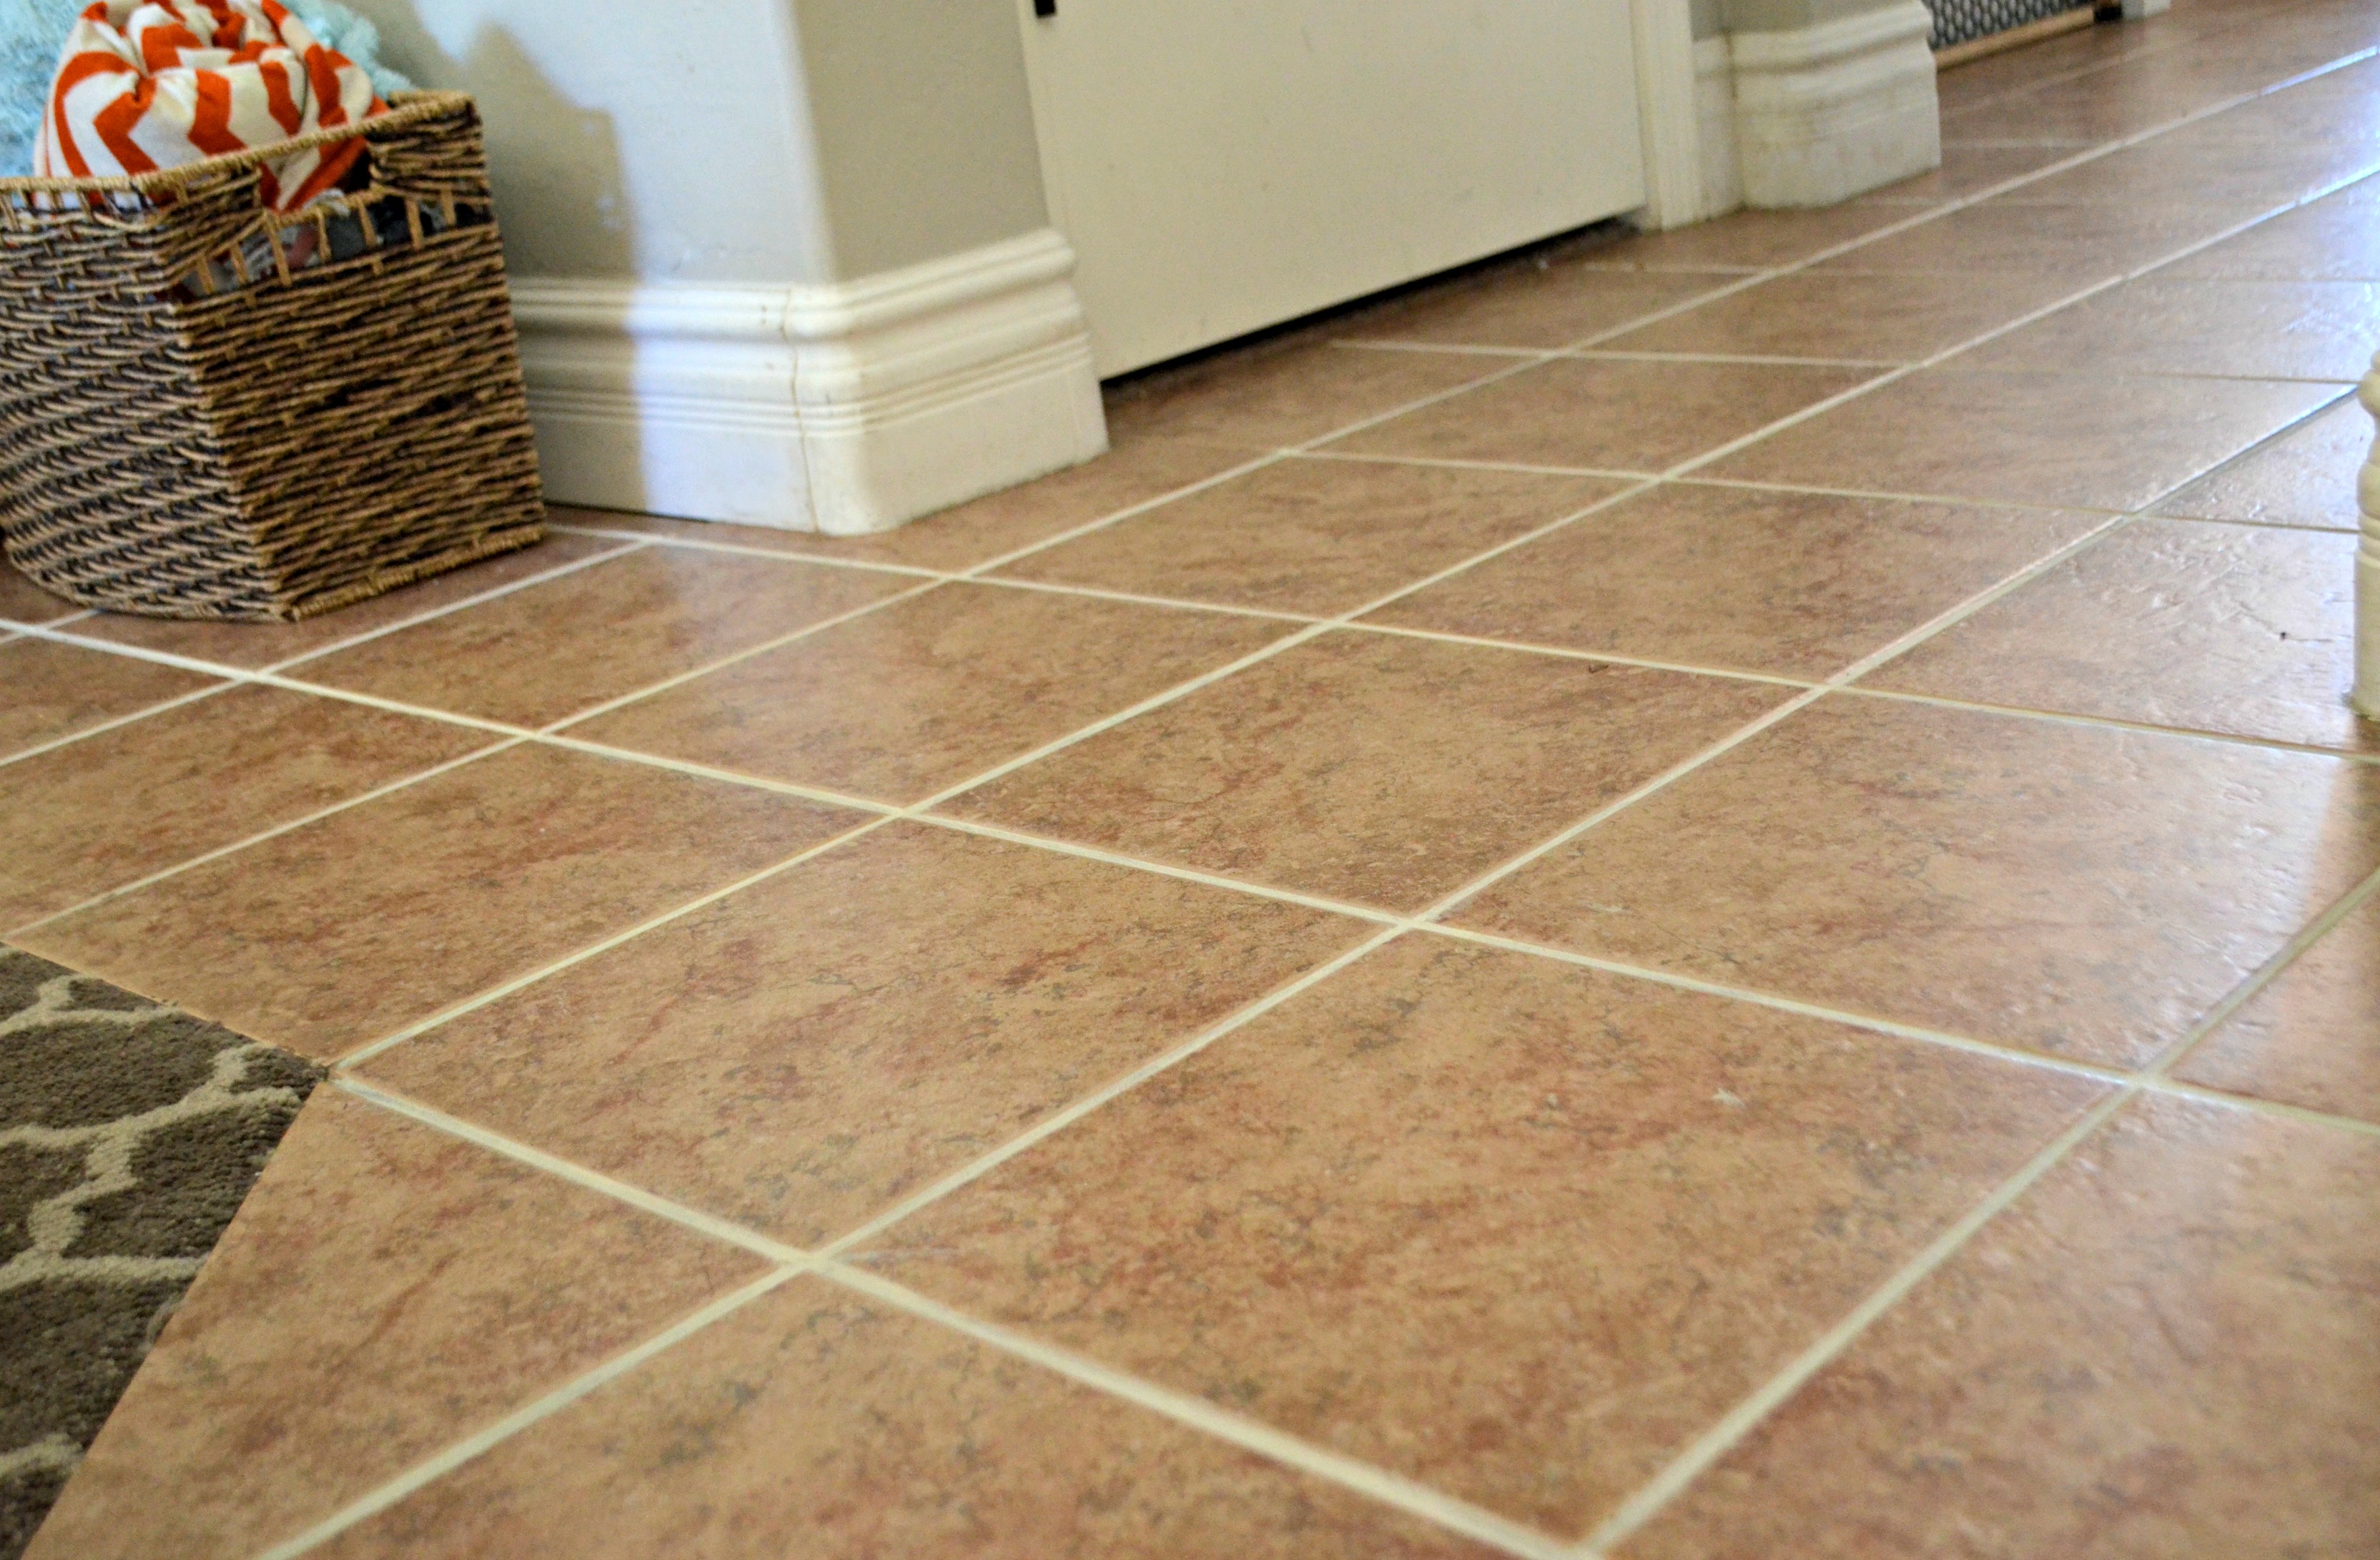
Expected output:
{"points": [[1557, 300], [2334, 239], [810, 1050], [817, 1424], [2088, 891], [2214, 172], [1889, 317], [2306, 477], [1313, 536], [1281, 393], [553, 649], [2250, 329], [2162, 1351], [330, 936], [923, 694], [1375, 768], [119, 805], [2247, 630], [1749, 240], [1967, 170], [49, 691], [1620, 414], [1513, 1228], [2077, 244], [1750, 580], [383, 1291], [2307, 1038], [251, 645]]}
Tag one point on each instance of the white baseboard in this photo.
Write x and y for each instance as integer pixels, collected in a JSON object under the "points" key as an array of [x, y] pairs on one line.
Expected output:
{"points": [[1829, 112], [846, 408], [1714, 109]]}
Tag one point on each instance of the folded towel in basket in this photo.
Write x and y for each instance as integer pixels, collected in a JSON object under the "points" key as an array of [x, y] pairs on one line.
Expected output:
{"points": [[147, 84]]}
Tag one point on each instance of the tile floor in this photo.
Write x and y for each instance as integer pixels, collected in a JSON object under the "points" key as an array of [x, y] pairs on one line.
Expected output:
{"points": [[1707, 896]]}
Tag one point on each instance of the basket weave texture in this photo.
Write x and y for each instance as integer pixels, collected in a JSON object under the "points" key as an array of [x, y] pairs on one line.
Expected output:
{"points": [[193, 423]]}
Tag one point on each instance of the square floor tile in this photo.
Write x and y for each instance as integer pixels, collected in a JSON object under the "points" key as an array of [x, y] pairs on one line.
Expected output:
{"points": [[21, 601], [817, 1424], [552, 650], [1746, 579], [807, 1052], [2079, 441], [2306, 477], [49, 691], [2086, 891], [923, 694], [1513, 1228], [253, 645], [2334, 239], [2213, 172], [2270, 330], [2247, 630], [1616, 414], [1284, 393], [118, 805], [1966, 171], [2078, 245], [970, 533], [1748, 239], [2164, 1349], [2343, 106], [1889, 316], [331, 935], [1314, 535], [383, 1291], [1370, 767], [2307, 1038], [1554, 302]]}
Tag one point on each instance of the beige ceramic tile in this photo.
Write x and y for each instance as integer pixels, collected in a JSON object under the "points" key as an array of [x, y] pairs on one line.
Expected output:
{"points": [[2343, 106], [251, 645], [1370, 767], [1551, 301], [2215, 173], [925, 693], [2248, 630], [1617, 414], [805, 1053], [2336, 239], [2088, 891], [385, 1291], [1796, 584], [2162, 1351], [2306, 477], [333, 934], [2082, 440], [1513, 1228], [2072, 115], [551, 649], [49, 691], [1967, 171], [1313, 536], [2307, 1038], [119, 805], [21, 601], [1890, 317], [973, 533], [1752, 240], [2077, 244], [816, 1423], [2249, 329], [1284, 393]]}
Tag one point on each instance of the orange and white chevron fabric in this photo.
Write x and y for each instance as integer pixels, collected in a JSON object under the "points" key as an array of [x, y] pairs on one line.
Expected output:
{"points": [[147, 84]]}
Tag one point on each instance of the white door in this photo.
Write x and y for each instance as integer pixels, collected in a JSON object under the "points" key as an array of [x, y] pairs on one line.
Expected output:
{"points": [[1225, 165]]}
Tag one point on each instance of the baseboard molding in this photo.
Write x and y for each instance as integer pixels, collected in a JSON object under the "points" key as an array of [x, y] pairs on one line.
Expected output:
{"points": [[846, 409], [1829, 112], [1722, 173]]}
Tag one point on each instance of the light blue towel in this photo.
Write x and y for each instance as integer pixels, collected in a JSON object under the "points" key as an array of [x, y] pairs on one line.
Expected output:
{"points": [[32, 31]]}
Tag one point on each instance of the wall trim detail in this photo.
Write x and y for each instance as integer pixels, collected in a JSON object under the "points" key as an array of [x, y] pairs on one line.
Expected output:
{"points": [[1715, 108], [844, 407], [1829, 112], [2366, 696], [1668, 116]]}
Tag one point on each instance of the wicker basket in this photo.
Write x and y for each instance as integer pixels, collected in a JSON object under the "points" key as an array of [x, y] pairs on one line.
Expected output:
{"points": [[195, 422]]}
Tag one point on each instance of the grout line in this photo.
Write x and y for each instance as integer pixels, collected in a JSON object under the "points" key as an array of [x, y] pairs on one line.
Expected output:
{"points": [[1565, 652], [1135, 597], [820, 794], [1483, 350], [67, 739], [2256, 1105], [1598, 354], [747, 549], [2112, 723], [1366, 458], [2270, 970]]}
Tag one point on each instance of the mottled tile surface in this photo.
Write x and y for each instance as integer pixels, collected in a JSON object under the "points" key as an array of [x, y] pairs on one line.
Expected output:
{"points": [[2307, 1038], [559, 647], [326, 937], [2080, 244], [1616, 414], [1752, 240], [809, 1049], [21, 601], [1883, 316], [1375, 768], [50, 691], [384, 1290], [2336, 239], [2162, 1350], [2250, 329], [898, 703], [817, 1424], [1313, 536], [1517, 1229], [1285, 392], [2086, 891], [2247, 630], [1794, 584], [1553, 303], [2306, 477]]}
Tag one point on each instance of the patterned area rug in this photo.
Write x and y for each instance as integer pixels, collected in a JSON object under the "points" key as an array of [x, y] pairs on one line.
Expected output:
{"points": [[128, 1134]]}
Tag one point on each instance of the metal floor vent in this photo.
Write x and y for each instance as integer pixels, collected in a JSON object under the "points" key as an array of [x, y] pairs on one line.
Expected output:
{"points": [[1963, 21]]}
